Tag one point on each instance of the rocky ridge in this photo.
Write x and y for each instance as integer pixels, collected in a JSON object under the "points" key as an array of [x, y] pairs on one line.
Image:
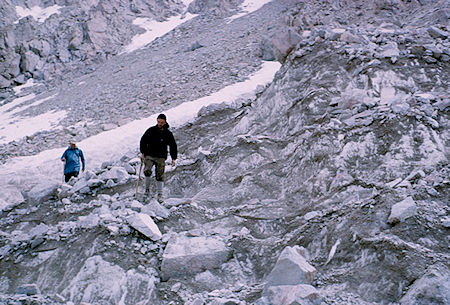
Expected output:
{"points": [[337, 172]]}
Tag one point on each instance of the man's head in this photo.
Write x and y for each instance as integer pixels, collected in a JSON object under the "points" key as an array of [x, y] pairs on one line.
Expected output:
{"points": [[161, 120], [72, 144]]}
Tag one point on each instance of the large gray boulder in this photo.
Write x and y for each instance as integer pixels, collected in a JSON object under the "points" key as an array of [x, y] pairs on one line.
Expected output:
{"points": [[402, 210], [293, 295], [144, 224], [116, 173], [291, 268], [289, 281], [190, 255], [280, 44]]}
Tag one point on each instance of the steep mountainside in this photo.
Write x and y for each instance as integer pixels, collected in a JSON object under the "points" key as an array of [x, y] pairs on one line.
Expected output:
{"points": [[330, 185]]}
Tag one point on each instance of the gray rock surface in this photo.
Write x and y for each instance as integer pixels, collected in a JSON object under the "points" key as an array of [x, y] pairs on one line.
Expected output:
{"points": [[186, 255], [291, 268], [355, 121], [402, 210]]}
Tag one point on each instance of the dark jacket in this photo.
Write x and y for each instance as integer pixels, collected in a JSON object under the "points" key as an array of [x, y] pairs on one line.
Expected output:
{"points": [[73, 157], [154, 142]]}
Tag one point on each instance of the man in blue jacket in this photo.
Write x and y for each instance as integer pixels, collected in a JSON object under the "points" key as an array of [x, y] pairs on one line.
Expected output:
{"points": [[72, 157], [153, 147]]}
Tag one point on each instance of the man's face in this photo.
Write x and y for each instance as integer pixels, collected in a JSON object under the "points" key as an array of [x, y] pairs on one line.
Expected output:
{"points": [[72, 145], [161, 123]]}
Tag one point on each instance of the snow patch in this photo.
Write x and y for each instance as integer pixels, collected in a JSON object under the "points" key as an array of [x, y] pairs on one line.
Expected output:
{"points": [[14, 127], [249, 6], [38, 13], [29, 83], [154, 29]]}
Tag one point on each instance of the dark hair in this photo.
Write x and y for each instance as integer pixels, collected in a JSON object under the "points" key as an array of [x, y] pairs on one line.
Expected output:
{"points": [[162, 116]]}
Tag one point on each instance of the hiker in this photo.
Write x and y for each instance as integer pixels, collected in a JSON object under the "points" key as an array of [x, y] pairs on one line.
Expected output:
{"points": [[72, 157], [153, 147]]}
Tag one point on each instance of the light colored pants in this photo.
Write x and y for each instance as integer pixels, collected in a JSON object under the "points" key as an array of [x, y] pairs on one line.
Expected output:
{"points": [[159, 164]]}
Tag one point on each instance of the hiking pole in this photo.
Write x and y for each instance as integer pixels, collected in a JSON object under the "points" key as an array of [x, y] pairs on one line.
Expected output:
{"points": [[64, 176], [139, 178]]}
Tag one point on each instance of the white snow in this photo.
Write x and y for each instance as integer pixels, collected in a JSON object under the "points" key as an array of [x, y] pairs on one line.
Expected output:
{"points": [[154, 29], [14, 127], [249, 6], [24, 172], [29, 83], [37, 12], [26, 126]]}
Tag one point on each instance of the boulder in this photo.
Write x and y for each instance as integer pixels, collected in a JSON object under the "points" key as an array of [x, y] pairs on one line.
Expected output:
{"points": [[93, 183], [437, 33], [190, 255], [130, 169], [283, 42], [154, 208], [88, 221], [291, 268], [81, 184], [30, 61], [390, 50], [349, 37], [402, 210], [116, 174], [42, 192], [39, 230], [293, 295], [144, 224], [4, 83], [64, 190]]}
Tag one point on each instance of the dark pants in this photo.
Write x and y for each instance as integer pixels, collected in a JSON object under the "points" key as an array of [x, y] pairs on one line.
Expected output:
{"points": [[159, 164], [70, 175]]}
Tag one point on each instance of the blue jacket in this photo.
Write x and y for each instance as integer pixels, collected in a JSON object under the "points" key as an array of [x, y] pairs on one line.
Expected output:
{"points": [[73, 157]]}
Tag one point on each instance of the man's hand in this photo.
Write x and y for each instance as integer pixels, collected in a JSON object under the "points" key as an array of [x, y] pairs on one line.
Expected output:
{"points": [[173, 162], [142, 157], [63, 160]]}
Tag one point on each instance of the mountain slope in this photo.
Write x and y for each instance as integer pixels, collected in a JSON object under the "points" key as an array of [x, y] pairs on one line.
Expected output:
{"points": [[343, 156]]}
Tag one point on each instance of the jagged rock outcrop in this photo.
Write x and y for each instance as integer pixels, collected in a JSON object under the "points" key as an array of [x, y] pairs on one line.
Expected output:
{"points": [[44, 40]]}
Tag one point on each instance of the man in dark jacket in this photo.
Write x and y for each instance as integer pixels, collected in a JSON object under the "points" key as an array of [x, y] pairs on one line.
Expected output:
{"points": [[153, 147], [72, 157]]}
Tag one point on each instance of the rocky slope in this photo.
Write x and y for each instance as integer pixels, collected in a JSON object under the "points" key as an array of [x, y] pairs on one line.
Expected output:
{"points": [[202, 56], [330, 186]]}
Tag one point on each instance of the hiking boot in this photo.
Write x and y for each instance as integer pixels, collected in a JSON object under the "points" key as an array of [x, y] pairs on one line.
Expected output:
{"points": [[159, 190]]}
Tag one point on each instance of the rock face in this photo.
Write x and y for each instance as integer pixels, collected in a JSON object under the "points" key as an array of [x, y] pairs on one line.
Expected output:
{"points": [[43, 41], [330, 185]]}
